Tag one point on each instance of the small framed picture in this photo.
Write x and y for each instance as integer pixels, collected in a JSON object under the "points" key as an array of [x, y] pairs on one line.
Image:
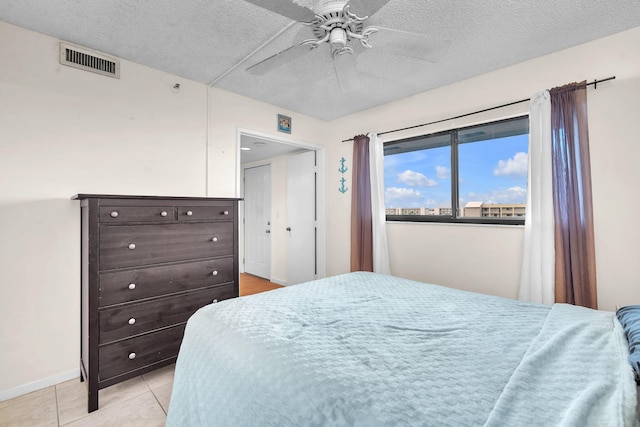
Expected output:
{"points": [[284, 124]]}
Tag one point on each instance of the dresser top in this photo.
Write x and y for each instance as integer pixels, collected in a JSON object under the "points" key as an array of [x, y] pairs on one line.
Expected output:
{"points": [[120, 196]]}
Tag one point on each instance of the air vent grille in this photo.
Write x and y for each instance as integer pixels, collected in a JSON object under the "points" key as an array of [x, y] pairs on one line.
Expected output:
{"points": [[87, 60]]}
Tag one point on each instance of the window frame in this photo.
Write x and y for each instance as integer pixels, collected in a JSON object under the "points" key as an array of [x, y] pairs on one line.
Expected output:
{"points": [[455, 178]]}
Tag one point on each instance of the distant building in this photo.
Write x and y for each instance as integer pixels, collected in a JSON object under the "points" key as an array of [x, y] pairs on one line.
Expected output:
{"points": [[418, 211], [470, 210], [442, 211], [473, 210], [412, 211], [516, 210]]}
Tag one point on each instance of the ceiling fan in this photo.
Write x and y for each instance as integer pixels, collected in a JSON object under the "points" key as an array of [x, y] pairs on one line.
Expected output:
{"points": [[334, 23]]}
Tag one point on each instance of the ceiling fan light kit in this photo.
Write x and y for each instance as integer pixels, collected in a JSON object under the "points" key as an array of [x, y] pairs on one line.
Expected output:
{"points": [[336, 24]]}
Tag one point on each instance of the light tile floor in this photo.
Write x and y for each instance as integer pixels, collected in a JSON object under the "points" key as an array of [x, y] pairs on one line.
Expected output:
{"points": [[139, 402]]}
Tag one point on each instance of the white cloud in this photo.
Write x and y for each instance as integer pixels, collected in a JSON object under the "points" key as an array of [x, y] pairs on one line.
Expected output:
{"points": [[517, 165], [396, 192], [442, 172], [415, 179], [402, 197], [517, 191]]}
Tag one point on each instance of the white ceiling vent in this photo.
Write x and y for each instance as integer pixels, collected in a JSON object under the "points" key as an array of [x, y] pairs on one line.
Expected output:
{"points": [[88, 60]]}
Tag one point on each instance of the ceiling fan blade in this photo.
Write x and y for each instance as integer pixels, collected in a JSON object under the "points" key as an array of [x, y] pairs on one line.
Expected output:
{"points": [[286, 8], [364, 8], [279, 59], [347, 72], [412, 45]]}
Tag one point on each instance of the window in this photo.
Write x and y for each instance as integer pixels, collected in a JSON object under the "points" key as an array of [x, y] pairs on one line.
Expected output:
{"points": [[476, 174]]}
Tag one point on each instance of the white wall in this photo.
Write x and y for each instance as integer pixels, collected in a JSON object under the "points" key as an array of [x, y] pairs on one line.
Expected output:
{"points": [[64, 131], [487, 259]]}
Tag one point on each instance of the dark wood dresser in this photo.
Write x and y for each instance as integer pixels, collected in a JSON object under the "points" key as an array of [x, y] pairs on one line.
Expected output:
{"points": [[148, 263]]}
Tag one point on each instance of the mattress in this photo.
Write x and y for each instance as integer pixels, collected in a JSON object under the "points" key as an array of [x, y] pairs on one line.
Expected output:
{"points": [[364, 349]]}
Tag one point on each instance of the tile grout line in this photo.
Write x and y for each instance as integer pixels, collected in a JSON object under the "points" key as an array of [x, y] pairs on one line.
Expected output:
{"points": [[153, 394], [55, 388], [161, 407]]}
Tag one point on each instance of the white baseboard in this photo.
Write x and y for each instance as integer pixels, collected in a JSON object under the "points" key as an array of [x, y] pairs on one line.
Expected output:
{"points": [[39, 384], [279, 282]]}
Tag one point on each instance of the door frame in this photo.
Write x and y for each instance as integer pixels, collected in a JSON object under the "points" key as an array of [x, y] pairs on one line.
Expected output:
{"points": [[320, 189]]}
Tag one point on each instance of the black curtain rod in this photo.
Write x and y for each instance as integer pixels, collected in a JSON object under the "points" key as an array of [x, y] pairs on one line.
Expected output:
{"points": [[594, 83]]}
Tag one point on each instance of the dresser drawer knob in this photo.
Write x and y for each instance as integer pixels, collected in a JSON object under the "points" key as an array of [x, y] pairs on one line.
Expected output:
{"points": [[215, 272], [132, 356], [132, 286], [114, 214], [163, 213], [189, 213], [132, 321], [225, 213], [132, 246], [215, 239]]}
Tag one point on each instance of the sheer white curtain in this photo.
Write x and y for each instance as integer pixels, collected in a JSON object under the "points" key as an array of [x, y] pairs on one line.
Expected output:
{"points": [[378, 216], [537, 279]]}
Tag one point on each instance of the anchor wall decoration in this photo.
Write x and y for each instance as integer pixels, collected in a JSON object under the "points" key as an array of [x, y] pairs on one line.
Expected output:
{"points": [[342, 170], [343, 189]]}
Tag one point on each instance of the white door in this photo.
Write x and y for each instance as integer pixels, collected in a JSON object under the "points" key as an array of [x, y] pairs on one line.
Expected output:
{"points": [[257, 221], [301, 212]]}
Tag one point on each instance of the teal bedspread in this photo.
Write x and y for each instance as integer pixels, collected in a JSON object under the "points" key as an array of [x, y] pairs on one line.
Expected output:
{"points": [[363, 349]]}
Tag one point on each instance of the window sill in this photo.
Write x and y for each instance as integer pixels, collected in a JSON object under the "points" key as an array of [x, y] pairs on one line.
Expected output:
{"points": [[515, 224]]}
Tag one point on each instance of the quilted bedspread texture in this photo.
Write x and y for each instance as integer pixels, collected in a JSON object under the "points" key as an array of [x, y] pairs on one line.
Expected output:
{"points": [[363, 349]]}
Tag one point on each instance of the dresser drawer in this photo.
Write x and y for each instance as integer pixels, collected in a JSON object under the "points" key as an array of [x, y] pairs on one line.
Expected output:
{"points": [[137, 318], [191, 213], [135, 245], [124, 356], [130, 285], [122, 214]]}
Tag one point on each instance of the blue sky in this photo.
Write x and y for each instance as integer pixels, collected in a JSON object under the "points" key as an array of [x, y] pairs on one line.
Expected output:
{"points": [[492, 171]]}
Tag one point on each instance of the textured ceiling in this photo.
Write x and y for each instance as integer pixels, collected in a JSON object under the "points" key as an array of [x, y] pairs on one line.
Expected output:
{"points": [[262, 149], [214, 41]]}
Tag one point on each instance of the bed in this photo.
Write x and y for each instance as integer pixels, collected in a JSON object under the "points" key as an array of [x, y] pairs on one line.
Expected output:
{"points": [[363, 349]]}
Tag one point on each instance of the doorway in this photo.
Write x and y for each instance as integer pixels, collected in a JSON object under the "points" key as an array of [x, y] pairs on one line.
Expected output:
{"points": [[279, 228]]}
